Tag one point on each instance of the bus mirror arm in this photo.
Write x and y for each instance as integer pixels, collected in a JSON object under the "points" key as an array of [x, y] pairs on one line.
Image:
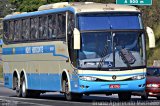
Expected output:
{"points": [[151, 37], [67, 60]]}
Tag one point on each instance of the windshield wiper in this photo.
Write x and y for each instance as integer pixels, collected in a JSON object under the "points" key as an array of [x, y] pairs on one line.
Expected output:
{"points": [[104, 55]]}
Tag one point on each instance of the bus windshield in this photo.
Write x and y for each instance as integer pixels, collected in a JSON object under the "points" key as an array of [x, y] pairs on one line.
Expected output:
{"points": [[111, 44]]}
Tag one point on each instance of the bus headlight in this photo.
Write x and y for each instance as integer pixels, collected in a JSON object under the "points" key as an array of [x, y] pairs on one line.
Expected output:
{"points": [[87, 78], [138, 77]]}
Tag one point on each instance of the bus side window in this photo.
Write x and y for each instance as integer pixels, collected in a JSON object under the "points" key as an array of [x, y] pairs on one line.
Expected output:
{"points": [[70, 27], [61, 25], [6, 31], [34, 28], [11, 28], [17, 34], [43, 27], [26, 29], [52, 26]]}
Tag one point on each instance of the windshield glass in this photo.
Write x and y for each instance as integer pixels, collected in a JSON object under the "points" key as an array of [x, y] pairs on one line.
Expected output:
{"points": [[95, 46], [128, 49], [111, 40], [108, 21], [153, 71]]}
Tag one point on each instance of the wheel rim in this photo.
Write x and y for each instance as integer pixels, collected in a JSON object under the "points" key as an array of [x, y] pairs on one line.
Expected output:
{"points": [[23, 88]]}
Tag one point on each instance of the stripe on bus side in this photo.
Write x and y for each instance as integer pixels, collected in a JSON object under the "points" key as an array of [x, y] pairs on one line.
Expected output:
{"points": [[32, 50], [48, 82]]}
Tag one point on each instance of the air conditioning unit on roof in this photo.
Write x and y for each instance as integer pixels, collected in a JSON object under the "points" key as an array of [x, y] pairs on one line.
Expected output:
{"points": [[53, 6]]}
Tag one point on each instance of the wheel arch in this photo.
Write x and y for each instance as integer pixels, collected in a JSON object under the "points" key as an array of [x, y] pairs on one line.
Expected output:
{"points": [[65, 74]]}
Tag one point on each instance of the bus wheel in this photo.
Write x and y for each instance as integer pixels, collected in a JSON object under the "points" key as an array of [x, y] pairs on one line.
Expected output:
{"points": [[68, 95], [17, 88], [144, 96], [124, 96], [158, 97], [25, 92]]}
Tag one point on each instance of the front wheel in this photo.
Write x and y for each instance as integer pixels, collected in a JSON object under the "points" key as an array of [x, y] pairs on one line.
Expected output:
{"points": [[158, 97], [125, 96], [145, 96], [68, 95]]}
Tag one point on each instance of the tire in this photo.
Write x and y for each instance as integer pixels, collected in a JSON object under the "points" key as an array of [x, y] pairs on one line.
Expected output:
{"points": [[68, 95], [25, 92], [145, 96], [158, 98], [17, 88], [125, 96]]}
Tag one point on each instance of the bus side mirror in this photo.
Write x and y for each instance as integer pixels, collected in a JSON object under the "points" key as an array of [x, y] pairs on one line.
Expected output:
{"points": [[76, 38], [151, 37]]}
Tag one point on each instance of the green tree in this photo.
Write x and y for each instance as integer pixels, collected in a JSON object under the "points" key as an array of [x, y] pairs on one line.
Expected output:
{"points": [[5, 8]]}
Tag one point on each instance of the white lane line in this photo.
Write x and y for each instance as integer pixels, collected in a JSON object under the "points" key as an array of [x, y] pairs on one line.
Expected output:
{"points": [[21, 102], [45, 100]]}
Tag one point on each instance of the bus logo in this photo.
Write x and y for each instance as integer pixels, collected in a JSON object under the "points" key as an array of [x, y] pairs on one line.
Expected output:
{"points": [[114, 77]]}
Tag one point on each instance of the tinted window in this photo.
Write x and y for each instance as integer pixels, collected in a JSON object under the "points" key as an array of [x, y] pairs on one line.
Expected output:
{"points": [[18, 30], [34, 28], [61, 25], [52, 26], [153, 71], [6, 31], [43, 27], [108, 21], [11, 30], [26, 29]]}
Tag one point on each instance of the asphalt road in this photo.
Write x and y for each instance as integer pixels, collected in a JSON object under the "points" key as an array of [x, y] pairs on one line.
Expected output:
{"points": [[8, 98]]}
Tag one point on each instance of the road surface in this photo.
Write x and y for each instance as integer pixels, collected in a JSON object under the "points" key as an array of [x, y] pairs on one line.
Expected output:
{"points": [[8, 98]]}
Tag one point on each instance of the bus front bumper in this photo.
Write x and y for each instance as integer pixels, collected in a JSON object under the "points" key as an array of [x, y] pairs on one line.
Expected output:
{"points": [[104, 87]]}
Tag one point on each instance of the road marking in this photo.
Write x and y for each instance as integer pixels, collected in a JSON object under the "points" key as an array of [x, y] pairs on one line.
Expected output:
{"points": [[37, 99], [16, 102]]}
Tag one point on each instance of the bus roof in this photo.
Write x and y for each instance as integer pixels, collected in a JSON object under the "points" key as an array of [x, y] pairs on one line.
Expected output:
{"points": [[81, 7]]}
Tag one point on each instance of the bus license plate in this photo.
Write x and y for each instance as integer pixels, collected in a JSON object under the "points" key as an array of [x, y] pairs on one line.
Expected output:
{"points": [[114, 86]]}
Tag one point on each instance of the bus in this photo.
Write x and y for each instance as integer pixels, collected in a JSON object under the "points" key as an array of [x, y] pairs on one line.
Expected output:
{"points": [[76, 49]]}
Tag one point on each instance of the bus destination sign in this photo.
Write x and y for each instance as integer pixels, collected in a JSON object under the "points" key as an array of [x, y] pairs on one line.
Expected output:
{"points": [[134, 2]]}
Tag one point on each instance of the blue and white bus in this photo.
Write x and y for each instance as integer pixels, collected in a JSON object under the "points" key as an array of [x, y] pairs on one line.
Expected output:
{"points": [[75, 49]]}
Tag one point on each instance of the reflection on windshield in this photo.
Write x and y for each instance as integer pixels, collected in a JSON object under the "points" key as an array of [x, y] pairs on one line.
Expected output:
{"points": [[94, 47], [128, 49]]}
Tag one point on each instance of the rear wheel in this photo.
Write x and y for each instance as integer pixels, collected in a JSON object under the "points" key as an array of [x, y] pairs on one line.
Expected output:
{"points": [[124, 96], [24, 89], [17, 87], [68, 95]]}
